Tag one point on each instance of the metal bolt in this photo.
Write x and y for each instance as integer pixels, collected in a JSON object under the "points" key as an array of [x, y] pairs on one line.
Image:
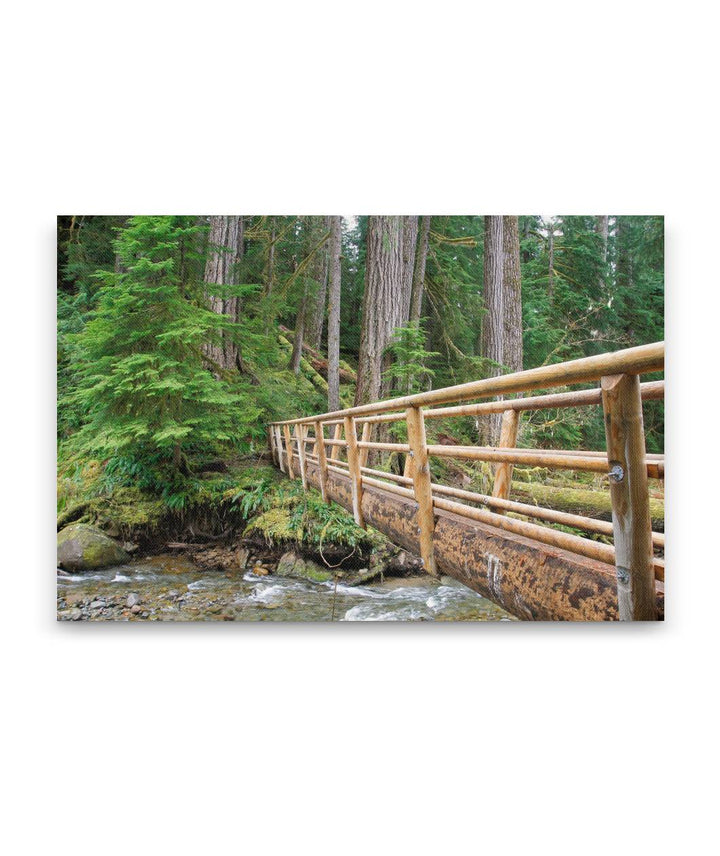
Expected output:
{"points": [[616, 473], [623, 575]]}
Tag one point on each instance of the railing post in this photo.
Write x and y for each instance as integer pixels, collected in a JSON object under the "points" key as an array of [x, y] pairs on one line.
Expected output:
{"points": [[279, 447], [300, 437], [335, 451], [288, 450], [422, 485], [322, 460], [625, 436], [508, 440], [354, 467], [365, 438]]}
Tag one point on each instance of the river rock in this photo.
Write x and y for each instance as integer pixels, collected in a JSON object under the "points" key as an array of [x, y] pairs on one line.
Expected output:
{"points": [[365, 575], [133, 599], [292, 565], [82, 548]]}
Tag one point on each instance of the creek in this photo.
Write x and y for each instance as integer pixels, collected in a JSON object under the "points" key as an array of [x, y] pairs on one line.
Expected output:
{"points": [[173, 588]]}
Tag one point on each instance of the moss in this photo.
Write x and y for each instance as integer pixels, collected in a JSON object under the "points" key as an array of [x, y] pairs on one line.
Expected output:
{"points": [[316, 573], [274, 525], [594, 503]]}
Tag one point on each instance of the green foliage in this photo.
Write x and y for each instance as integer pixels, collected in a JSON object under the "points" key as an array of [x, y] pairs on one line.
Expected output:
{"points": [[140, 408], [143, 383], [408, 372], [293, 514]]}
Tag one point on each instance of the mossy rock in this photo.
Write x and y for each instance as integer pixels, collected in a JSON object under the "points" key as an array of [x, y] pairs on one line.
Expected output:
{"points": [[292, 565], [83, 548]]}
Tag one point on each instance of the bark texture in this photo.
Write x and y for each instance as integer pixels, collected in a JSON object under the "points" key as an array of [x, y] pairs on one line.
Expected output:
{"points": [[221, 269], [602, 230], [512, 296], [418, 284], [334, 314], [493, 329], [382, 301], [532, 581], [313, 279], [409, 239], [318, 292]]}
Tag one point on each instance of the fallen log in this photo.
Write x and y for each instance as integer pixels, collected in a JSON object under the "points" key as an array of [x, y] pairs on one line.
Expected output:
{"points": [[320, 363], [590, 503]]}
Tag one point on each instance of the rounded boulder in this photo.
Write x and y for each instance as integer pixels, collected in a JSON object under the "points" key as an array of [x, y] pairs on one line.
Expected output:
{"points": [[83, 548]]}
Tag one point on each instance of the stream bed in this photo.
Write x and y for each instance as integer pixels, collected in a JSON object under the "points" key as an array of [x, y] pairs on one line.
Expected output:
{"points": [[172, 588]]}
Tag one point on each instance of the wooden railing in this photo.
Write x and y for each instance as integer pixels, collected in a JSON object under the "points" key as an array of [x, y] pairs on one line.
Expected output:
{"points": [[624, 461]]}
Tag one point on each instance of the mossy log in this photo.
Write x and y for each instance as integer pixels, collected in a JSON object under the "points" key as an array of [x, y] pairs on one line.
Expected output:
{"points": [[320, 363], [592, 503], [317, 380]]}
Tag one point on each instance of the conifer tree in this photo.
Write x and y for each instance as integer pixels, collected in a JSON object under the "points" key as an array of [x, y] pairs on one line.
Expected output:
{"points": [[143, 383]]}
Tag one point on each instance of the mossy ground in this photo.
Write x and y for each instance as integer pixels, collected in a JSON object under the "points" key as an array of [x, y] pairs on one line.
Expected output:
{"points": [[250, 498]]}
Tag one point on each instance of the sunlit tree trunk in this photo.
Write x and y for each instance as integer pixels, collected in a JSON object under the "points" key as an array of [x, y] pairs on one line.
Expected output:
{"points": [[334, 314], [312, 276], [221, 269], [493, 332], [551, 262], [512, 296], [602, 229], [316, 306], [418, 285], [409, 238], [271, 257], [382, 301]]}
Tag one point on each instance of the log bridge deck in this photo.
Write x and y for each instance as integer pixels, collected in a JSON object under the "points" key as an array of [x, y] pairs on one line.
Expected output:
{"points": [[531, 569]]}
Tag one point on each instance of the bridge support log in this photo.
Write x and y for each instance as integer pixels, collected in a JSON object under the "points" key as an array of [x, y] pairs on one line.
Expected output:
{"points": [[528, 579], [632, 529]]}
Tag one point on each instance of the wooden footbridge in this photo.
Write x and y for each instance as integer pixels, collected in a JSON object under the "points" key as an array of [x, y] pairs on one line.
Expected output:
{"points": [[531, 569]]}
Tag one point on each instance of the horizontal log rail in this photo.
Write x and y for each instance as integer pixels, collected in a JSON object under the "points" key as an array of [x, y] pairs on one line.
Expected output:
{"points": [[626, 465]]}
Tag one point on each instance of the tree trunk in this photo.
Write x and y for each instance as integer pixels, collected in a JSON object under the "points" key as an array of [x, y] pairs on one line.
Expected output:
{"points": [[271, 258], [316, 308], [512, 296], [551, 261], [334, 314], [419, 273], [493, 320], [225, 251], [312, 275], [382, 301], [409, 237], [296, 355], [602, 229]]}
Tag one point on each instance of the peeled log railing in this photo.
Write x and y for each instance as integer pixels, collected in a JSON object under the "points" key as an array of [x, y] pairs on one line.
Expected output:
{"points": [[638, 573]]}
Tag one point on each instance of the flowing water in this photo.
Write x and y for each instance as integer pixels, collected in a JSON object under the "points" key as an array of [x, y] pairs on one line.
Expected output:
{"points": [[171, 588]]}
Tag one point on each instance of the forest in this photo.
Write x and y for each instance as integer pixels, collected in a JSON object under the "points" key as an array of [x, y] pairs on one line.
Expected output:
{"points": [[181, 337]]}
